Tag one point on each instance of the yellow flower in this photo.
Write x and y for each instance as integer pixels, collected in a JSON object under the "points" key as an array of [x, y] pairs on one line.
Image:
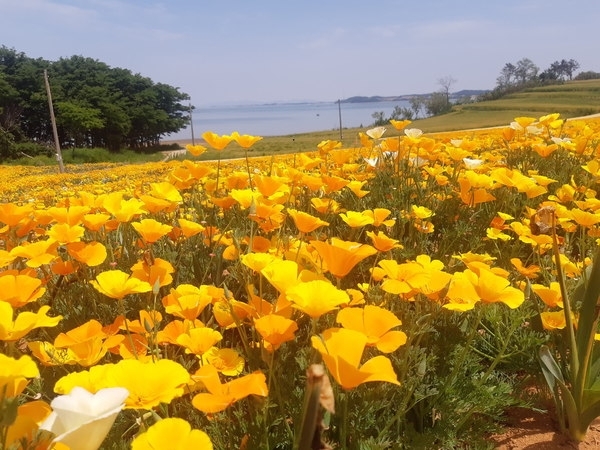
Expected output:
{"points": [[198, 341], [162, 381], [123, 210], [14, 374], [342, 349], [172, 433], [225, 360], [316, 297], [218, 142], [25, 322], [117, 284], [37, 253], [245, 140], [64, 233], [356, 219]]}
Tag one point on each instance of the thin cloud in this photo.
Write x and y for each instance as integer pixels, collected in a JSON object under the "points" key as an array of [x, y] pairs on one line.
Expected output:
{"points": [[448, 28], [325, 40]]}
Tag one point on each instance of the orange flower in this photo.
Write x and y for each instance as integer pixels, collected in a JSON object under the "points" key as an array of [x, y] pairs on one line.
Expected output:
{"points": [[18, 290], [382, 242], [157, 273], [187, 301], [530, 272], [305, 222], [551, 296], [342, 349], [275, 329], [11, 214], [376, 323], [215, 141], [190, 228], [151, 230], [220, 396], [553, 320], [325, 205], [195, 150], [90, 253], [117, 284], [341, 256]]}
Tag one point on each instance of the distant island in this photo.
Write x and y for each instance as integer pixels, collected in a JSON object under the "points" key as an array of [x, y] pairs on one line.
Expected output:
{"points": [[407, 97]]}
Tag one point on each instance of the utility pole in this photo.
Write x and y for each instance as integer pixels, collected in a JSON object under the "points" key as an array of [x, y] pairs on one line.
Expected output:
{"points": [[192, 125], [61, 166], [340, 114]]}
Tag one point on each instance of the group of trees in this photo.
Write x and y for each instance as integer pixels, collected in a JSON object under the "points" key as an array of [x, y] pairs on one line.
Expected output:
{"points": [[95, 105], [525, 73]]}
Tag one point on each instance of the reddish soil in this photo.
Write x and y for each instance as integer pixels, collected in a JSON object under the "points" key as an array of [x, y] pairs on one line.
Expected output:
{"points": [[531, 430]]}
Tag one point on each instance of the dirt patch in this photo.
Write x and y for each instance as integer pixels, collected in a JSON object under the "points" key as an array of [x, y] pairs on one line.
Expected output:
{"points": [[532, 430]]}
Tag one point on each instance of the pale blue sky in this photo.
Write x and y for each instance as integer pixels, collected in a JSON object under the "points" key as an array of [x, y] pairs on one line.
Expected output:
{"points": [[278, 50]]}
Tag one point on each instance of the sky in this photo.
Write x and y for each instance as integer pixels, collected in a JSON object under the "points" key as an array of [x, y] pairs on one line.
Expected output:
{"points": [[261, 51]]}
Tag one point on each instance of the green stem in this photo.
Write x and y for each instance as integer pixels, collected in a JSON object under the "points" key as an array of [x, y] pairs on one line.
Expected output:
{"points": [[574, 354]]}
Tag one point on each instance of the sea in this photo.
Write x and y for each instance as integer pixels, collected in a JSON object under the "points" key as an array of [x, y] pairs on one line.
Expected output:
{"points": [[280, 119]]}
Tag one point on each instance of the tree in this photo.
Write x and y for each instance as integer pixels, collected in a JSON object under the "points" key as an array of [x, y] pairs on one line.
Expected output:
{"points": [[526, 71], [417, 103], [380, 119], [587, 75], [445, 84], [96, 105], [437, 103], [507, 76]]}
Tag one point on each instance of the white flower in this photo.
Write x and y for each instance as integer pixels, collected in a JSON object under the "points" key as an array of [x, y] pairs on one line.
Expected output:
{"points": [[81, 420], [413, 132], [375, 133], [516, 126], [472, 163]]}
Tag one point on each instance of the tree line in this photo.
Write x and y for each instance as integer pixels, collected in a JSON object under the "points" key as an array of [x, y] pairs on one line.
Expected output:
{"points": [[95, 105], [513, 77], [525, 73]]}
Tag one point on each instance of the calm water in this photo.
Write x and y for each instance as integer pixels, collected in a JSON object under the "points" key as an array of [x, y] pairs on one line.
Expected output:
{"points": [[284, 118]]}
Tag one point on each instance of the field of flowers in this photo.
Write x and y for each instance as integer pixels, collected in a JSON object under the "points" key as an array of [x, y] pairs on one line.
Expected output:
{"points": [[394, 295]]}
